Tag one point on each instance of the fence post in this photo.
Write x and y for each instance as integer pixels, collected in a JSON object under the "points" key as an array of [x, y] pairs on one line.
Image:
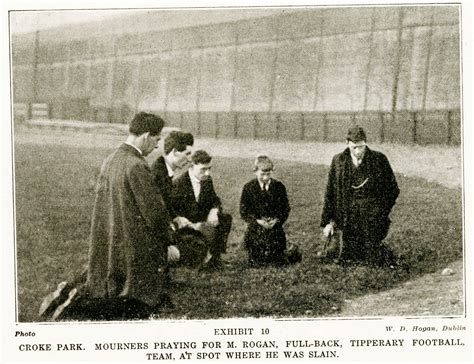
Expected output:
{"points": [[325, 127], [450, 128], [415, 127], [382, 127], [236, 125], [216, 135], [181, 120], [277, 126], [302, 130], [198, 122], [255, 126]]}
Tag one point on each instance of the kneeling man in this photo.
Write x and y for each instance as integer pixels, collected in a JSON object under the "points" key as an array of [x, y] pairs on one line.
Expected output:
{"points": [[194, 198], [361, 191]]}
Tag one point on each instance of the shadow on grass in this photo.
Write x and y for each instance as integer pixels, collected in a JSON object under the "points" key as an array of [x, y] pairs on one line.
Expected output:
{"points": [[54, 196]]}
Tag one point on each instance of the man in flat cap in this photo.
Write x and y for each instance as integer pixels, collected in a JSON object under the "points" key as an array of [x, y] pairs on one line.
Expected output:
{"points": [[361, 191]]}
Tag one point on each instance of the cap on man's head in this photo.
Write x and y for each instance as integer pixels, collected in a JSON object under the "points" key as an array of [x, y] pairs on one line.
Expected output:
{"points": [[356, 134], [144, 122], [201, 157], [263, 163]]}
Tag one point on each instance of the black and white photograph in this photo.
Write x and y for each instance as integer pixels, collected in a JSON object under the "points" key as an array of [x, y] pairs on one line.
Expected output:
{"points": [[228, 166]]}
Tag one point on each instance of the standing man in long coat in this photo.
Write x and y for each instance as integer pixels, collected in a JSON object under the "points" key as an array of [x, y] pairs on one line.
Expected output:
{"points": [[130, 229], [360, 194]]}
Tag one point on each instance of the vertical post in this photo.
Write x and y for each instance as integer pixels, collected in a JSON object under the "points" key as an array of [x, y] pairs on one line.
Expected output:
{"points": [[382, 127], [168, 81], [113, 70], [91, 112], [398, 61], [302, 130], [64, 112], [255, 126], [236, 125], [319, 63], [325, 127], [234, 79], [137, 82], [34, 97], [415, 127], [181, 120], [369, 61], [271, 96], [428, 61], [198, 123], [216, 126], [450, 127], [198, 90], [277, 126]]}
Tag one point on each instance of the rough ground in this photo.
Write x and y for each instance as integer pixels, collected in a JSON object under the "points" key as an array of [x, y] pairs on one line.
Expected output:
{"points": [[431, 295]]}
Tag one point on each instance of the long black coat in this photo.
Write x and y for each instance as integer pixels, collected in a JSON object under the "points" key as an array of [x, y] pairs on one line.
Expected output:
{"points": [[381, 187], [129, 232], [164, 183]]}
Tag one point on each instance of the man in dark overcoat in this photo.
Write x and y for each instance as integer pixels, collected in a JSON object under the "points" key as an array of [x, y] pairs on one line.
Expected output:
{"points": [[195, 198], [361, 191], [177, 150], [129, 239], [189, 246], [130, 229], [265, 208]]}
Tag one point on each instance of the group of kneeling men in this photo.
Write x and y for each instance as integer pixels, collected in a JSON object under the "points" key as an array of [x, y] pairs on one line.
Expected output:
{"points": [[146, 220]]}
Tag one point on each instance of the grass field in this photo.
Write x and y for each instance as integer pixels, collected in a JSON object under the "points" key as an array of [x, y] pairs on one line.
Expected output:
{"points": [[54, 194]]}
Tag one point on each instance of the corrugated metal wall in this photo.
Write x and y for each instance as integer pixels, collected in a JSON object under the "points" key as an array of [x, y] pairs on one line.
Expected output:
{"points": [[302, 75]]}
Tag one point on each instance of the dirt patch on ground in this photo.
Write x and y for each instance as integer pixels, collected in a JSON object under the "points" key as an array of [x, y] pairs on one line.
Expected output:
{"points": [[434, 294]]}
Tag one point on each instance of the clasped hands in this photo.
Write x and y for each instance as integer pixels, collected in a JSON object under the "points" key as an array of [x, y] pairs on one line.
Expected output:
{"points": [[212, 220], [267, 222]]}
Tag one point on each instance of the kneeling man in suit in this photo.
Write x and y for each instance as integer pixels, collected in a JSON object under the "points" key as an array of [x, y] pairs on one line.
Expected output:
{"points": [[194, 198]]}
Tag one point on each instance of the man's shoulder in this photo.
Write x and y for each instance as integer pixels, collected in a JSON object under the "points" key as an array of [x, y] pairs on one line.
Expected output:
{"points": [[342, 156], [376, 155], [158, 167], [124, 154], [251, 184], [278, 184], [181, 179], [159, 162]]}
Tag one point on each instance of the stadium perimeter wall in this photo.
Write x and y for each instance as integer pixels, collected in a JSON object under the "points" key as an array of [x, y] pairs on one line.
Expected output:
{"points": [[300, 75]]}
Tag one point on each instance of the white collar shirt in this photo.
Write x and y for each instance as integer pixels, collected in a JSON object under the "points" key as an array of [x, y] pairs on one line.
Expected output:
{"points": [[356, 162], [170, 170], [266, 185], [196, 185], [134, 147]]}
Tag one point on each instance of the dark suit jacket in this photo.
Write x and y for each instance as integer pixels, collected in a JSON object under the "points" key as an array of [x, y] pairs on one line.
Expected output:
{"points": [[130, 231], [255, 204], [164, 184], [185, 204]]}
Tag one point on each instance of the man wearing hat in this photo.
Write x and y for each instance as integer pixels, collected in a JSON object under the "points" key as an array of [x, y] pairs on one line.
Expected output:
{"points": [[361, 191]]}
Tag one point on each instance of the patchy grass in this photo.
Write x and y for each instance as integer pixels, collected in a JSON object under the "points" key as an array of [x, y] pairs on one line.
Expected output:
{"points": [[54, 196]]}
